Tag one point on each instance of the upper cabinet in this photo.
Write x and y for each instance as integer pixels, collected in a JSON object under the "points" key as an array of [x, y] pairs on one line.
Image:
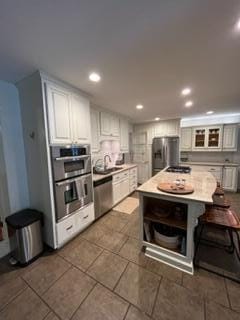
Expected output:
{"points": [[95, 130], [59, 115], [230, 134], [124, 135], [210, 138], [68, 116], [186, 139], [109, 125]]}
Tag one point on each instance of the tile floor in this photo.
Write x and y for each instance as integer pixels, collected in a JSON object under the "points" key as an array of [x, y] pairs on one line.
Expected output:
{"points": [[102, 274]]}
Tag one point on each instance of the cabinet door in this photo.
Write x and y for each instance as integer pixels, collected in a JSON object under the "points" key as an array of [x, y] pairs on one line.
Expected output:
{"points": [[124, 135], [230, 134], [199, 139], [117, 192], [124, 188], [95, 132], [142, 173], [115, 127], [230, 178], [106, 125], [186, 139], [80, 119], [59, 115], [214, 138]]}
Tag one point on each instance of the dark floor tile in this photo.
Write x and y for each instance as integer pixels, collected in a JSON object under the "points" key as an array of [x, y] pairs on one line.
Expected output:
{"points": [[207, 285], [215, 311], [112, 240], [139, 287], [136, 314], [65, 296], [233, 289], [107, 269], [132, 229], [102, 304], [131, 250], [26, 306], [175, 302], [94, 232], [164, 270], [51, 316], [83, 254], [10, 289], [46, 273], [113, 222]]}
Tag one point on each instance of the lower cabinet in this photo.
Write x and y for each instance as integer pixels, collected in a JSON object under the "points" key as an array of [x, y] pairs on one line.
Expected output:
{"points": [[72, 225], [123, 184], [230, 178]]}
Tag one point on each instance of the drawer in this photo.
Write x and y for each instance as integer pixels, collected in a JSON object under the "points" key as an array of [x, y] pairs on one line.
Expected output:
{"points": [[84, 217], [132, 181], [120, 176], [65, 230], [132, 188], [133, 172]]}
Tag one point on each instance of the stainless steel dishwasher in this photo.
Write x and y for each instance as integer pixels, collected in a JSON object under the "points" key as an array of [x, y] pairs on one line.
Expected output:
{"points": [[103, 196]]}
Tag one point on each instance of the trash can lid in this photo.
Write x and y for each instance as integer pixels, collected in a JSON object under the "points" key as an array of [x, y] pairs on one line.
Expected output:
{"points": [[23, 218]]}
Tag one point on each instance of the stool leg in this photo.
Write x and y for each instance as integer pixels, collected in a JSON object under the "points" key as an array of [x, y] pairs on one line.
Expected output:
{"points": [[198, 243], [231, 248], [238, 240]]}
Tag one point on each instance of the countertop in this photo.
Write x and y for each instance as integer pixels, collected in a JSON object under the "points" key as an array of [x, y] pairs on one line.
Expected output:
{"points": [[97, 177], [204, 185], [220, 164]]}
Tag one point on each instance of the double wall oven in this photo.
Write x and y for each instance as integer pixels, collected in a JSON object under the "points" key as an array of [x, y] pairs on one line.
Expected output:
{"points": [[72, 179]]}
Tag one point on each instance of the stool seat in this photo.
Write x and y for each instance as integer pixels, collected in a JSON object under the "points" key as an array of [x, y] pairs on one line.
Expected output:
{"points": [[220, 217], [220, 201]]}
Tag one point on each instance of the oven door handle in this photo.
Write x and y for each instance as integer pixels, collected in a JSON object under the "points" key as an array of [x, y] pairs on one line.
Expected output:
{"points": [[62, 183], [72, 158]]}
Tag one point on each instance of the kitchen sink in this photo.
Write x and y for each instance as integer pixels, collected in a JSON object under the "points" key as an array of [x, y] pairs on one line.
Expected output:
{"points": [[107, 171]]}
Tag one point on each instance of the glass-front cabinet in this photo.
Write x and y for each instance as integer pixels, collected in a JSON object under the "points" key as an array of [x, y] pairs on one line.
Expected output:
{"points": [[207, 138]]}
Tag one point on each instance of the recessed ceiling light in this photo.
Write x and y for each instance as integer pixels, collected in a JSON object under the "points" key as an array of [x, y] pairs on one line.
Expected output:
{"points": [[139, 106], [238, 25], [186, 91], [157, 118], [210, 112], [95, 77], [188, 104]]}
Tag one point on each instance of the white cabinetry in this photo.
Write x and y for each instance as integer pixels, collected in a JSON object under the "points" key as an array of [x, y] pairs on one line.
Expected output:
{"points": [[68, 116], [230, 135], [124, 183], [72, 225], [143, 172], [186, 139], [207, 138], [124, 135], [109, 125], [95, 130], [59, 115], [230, 178]]}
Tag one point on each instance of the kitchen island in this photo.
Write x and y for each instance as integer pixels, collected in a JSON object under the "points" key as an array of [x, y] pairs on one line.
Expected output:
{"points": [[174, 215]]}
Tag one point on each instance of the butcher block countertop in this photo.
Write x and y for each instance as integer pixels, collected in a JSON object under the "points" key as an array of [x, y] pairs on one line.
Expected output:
{"points": [[203, 182]]}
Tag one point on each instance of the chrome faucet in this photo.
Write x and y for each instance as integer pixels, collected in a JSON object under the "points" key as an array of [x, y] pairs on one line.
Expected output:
{"points": [[104, 160]]}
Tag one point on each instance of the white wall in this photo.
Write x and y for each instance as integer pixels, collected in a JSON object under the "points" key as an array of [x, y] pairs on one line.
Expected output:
{"points": [[13, 154]]}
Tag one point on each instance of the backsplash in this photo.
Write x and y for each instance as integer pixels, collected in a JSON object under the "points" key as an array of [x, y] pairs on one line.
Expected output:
{"points": [[108, 147], [210, 156]]}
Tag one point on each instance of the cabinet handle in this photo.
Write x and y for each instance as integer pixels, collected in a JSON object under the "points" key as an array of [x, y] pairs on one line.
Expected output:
{"points": [[69, 227], [85, 217]]}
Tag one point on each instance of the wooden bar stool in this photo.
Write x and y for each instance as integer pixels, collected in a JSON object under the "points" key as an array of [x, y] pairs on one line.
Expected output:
{"points": [[223, 219]]}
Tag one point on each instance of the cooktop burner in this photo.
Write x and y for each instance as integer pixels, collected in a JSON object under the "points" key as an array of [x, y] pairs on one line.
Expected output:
{"points": [[179, 169]]}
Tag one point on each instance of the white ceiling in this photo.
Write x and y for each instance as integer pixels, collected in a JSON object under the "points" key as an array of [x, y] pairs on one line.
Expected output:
{"points": [[145, 50]]}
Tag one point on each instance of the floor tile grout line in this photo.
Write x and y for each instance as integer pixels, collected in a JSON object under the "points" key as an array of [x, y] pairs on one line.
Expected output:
{"points": [[155, 299], [204, 309], [120, 277], [129, 305], [14, 298], [94, 286], [228, 297], [70, 266]]}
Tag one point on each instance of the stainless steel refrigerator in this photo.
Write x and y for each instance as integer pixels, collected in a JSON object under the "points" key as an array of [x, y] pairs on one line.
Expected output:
{"points": [[165, 152]]}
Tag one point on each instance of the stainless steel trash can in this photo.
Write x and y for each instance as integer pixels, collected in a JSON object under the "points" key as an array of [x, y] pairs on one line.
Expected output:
{"points": [[25, 235]]}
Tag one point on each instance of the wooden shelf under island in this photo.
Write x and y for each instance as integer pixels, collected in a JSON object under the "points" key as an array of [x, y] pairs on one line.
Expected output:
{"points": [[169, 221]]}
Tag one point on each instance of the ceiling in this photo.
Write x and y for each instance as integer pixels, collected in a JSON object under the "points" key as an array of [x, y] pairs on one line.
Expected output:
{"points": [[145, 50]]}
